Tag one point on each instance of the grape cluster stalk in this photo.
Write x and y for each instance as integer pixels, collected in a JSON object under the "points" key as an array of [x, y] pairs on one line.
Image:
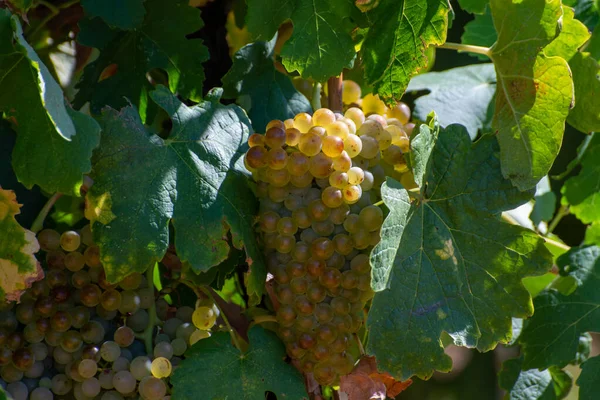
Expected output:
{"points": [[74, 335], [318, 178]]}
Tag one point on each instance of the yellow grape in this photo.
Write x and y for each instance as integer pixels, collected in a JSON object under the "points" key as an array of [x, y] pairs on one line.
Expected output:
{"points": [[332, 197], [401, 112], [161, 367], [323, 117], [333, 146], [352, 145], [343, 162], [256, 140], [288, 123], [339, 179], [310, 144], [350, 92], [204, 317], [352, 194], [356, 115], [339, 129], [303, 122], [292, 136]]}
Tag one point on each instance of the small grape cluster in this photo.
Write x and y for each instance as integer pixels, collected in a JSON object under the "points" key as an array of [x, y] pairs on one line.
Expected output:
{"points": [[75, 335], [318, 179]]}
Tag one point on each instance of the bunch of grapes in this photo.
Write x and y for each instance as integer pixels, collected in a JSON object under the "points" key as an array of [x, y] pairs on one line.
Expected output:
{"points": [[75, 335], [318, 179]]}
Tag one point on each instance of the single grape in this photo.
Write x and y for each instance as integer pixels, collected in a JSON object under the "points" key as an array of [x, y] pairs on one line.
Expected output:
{"points": [[323, 117], [339, 129], [124, 336], [23, 358], [131, 281], [355, 176], [356, 115], [71, 341], [303, 122], [370, 147], [163, 349], [70, 241], [275, 137], [179, 346], [152, 388], [401, 112], [204, 318], [370, 128], [197, 335], [256, 140], [61, 321], [90, 295], [110, 351], [161, 367], [333, 146], [277, 158], [74, 261], [130, 302], [310, 144], [140, 367], [353, 145], [124, 382], [92, 332], [138, 321], [339, 179], [49, 239], [61, 384], [17, 390], [318, 210], [41, 393], [321, 166]]}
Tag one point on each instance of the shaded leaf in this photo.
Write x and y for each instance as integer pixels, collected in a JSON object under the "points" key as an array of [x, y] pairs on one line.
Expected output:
{"points": [[158, 43], [272, 94], [394, 48], [68, 210], [548, 384], [551, 336], [127, 14], [41, 116], [222, 372], [194, 179], [473, 6], [592, 234], [446, 263], [582, 192], [458, 96], [588, 382], [481, 32], [18, 266]]}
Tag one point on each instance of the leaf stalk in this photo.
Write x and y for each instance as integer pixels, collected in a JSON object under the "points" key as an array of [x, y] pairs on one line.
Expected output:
{"points": [[38, 223], [486, 51]]}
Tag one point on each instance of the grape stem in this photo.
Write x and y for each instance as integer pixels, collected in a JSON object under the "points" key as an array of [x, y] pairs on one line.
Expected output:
{"points": [[562, 212], [379, 203], [334, 90], [486, 51], [360, 345], [148, 333], [38, 223], [232, 331]]}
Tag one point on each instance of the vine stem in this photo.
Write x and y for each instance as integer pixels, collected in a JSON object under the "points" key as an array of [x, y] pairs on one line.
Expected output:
{"points": [[334, 91], [38, 223], [148, 333], [562, 212], [232, 332], [467, 48]]}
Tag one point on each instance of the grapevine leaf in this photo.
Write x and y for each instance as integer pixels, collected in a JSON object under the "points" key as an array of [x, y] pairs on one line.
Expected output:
{"points": [[534, 91], [480, 32], [548, 384], [3, 394], [320, 45], [272, 94], [446, 263], [458, 96], [551, 336], [41, 116], [18, 266], [195, 179], [473, 6], [158, 43], [588, 382], [223, 372], [394, 48], [544, 208], [594, 44], [582, 192], [68, 210], [592, 234], [128, 14], [587, 11]]}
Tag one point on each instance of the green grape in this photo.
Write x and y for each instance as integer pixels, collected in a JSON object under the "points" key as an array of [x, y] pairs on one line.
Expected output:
{"points": [[105, 377], [343, 162], [139, 320], [301, 218], [268, 222], [278, 194], [292, 203], [124, 336], [121, 364], [356, 176], [61, 384], [368, 182], [40, 351], [90, 387], [163, 349], [349, 124], [277, 158], [131, 281], [23, 359], [323, 228], [278, 177], [53, 338], [338, 129], [315, 268], [204, 317], [110, 351], [111, 300], [318, 210], [349, 279], [87, 368], [256, 140], [340, 305], [41, 393], [256, 157], [303, 306], [299, 285], [80, 278], [275, 123], [288, 123], [285, 243], [343, 244], [303, 122], [326, 334], [49, 239], [70, 241], [369, 148], [17, 391], [310, 144], [287, 226], [378, 118], [323, 313], [332, 197], [397, 135], [301, 251], [292, 136], [170, 327], [320, 166], [35, 371], [361, 239], [333, 146], [323, 117], [356, 115], [15, 340], [179, 346], [275, 137], [324, 373], [330, 278], [74, 261], [56, 277], [90, 295], [353, 145], [130, 302], [322, 248], [408, 128], [152, 388], [342, 324], [161, 367], [338, 214], [311, 194], [25, 312], [370, 128], [111, 395], [338, 179], [393, 155], [9, 373], [302, 181], [319, 352], [352, 194], [295, 269], [124, 382], [92, 332], [61, 321], [298, 164], [401, 112], [305, 323], [140, 367], [316, 293], [371, 218], [350, 92]]}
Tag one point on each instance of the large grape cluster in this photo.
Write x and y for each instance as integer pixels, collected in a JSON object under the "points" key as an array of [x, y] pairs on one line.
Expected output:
{"points": [[75, 335], [318, 179]]}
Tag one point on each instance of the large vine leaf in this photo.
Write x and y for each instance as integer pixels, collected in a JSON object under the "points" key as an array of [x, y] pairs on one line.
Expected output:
{"points": [[128, 14], [320, 45], [534, 91], [195, 178], [458, 96], [582, 192], [446, 263], [224, 373], [551, 336], [271, 94], [533, 384], [394, 48], [588, 382], [18, 266], [40, 115], [159, 43]]}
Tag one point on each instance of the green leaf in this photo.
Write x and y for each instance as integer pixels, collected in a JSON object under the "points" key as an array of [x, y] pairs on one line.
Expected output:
{"points": [[458, 96], [587, 11], [272, 94], [480, 32], [551, 336], [588, 382], [535, 284], [68, 210], [320, 45], [473, 6], [548, 384], [195, 179], [158, 43], [35, 102], [394, 48], [592, 234], [18, 266], [582, 192], [446, 263], [534, 91], [222, 372], [593, 45], [127, 14], [544, 207]]}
